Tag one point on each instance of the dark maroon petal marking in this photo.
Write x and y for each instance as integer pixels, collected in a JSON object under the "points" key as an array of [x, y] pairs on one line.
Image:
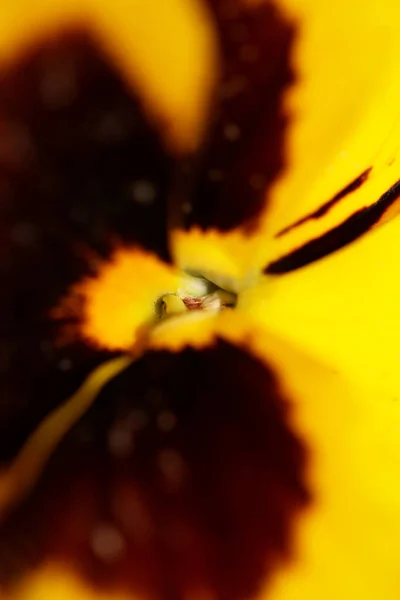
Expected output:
{"points": [[245, 150], [79, 168], [326, 207], [351, 229], [184, 476]]}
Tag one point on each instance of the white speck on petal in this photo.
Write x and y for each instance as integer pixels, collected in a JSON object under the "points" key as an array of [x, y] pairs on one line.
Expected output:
{"points": [[249, 53], [172, 466], [257, 181], [215, 175], [166, 421], [23, 233], [65, 364], [120, 441], [107, 542], [143, 192], [58, 86], [186, 208], [232, 132]]}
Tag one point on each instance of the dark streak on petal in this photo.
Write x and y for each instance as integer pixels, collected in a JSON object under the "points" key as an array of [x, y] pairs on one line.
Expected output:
{"points": [[245, 150], [354, 227], [326, 207], [79, 167], [184, 478]]}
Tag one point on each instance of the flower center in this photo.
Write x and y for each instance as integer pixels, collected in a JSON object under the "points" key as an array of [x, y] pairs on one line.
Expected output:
{"points": [[195, 293]]}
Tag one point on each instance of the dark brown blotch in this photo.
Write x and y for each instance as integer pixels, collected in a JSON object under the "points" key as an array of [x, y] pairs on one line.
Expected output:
{"points": [[185, 477], [245, 149], [80, 167]]}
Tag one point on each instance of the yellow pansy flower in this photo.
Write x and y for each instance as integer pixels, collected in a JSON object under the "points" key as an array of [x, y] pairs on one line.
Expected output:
{"points": [[199, 308]]}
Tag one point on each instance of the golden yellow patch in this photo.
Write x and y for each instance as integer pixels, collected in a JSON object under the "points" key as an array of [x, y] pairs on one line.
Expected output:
{"points": [[111, 308]]}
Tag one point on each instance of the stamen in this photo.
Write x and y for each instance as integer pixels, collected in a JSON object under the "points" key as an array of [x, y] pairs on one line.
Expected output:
{"points": [[196, 293], [192, 303]]}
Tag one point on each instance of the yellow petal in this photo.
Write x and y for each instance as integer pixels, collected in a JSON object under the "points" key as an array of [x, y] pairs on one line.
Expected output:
{"points": [[166, 50], [344, 308], [347, 544], [342, 136], [351, 529], [344, 312], [344, 116]]}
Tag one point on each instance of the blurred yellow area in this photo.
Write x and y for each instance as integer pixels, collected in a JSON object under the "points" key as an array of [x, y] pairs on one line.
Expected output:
{"points": [[226, 258], [165, 50], [55, 583]]}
